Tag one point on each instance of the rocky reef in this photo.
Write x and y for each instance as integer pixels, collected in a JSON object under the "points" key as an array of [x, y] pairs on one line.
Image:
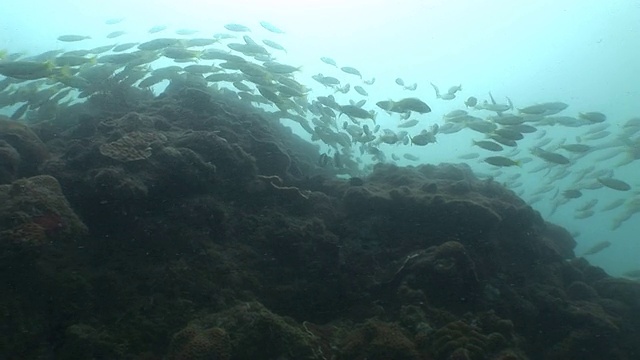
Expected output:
{"points": [[193, 226]]}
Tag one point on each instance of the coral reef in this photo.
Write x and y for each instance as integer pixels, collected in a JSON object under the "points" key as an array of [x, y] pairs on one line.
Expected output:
{"points": [[212, 233], [33, 211]]}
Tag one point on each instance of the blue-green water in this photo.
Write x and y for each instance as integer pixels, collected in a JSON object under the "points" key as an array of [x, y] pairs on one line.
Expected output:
{"points": [[583, 53]]}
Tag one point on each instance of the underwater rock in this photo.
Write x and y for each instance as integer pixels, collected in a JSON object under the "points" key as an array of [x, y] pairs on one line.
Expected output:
{"points": [[253, 332], [132, 146], [445, 273], [459, 340], [9, 162], [377, 340], [193, 343], [31, 149], [33, 211]]}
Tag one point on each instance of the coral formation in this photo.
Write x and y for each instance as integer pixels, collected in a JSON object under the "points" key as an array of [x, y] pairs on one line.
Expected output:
{"points": [[34, 211], [212, 232]]}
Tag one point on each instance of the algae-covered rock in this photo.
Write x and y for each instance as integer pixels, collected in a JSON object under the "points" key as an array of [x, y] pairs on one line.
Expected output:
{"points": [[9, 162], [32, 150], [377, 340], [253, 331], [34, 211], [193, 343]]}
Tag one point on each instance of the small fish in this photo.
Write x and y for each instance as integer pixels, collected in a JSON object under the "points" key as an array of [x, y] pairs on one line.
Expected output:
{"points": [[576, 148], [612, 205], [471, 101], [410, 157], [614, 184], [274, 45], [356, 112], [328, 61], [124, 47], [408, 124], [593, 116], [454, 89], [369, 82], [550, 156], [73, 38], [572, 194], [157, 29], [399, 81], [186, 31], [113, 21], [115, 34], [501, 161], [271, 28], [597, 248], [488, 145], [237, 28], [360, 90], [351, 70], [411, 87]]}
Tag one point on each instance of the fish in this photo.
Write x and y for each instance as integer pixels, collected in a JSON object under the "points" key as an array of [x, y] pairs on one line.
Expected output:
{"points": [[502, 141], [424, 138], [501, 161], [404, 105], [179, 53], [198, 42], [583, 214], [399, 81], [411, 87], [507, 119], [454, 89], [572, 194], [124, 47], [487, 145], [113, 21], [588, 205], [186, 31], [274, 45], [237, 28], [548, 108], [471, 101], [446, 96], [73, 38], [351, 70], [576, 148], [612, 205], [369, 82], [156, 29], [593, 116], [482, 126], [328, 61], [614, 184], [408, 123], [278, 68], [115, 34], [270, 27], [158, 44], [509, 134], [597, 248], [26, 70], [410, 157], [360, 90], [550, 156], [356, 112]]}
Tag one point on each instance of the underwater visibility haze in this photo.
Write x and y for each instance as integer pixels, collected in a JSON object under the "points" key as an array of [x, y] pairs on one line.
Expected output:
{"points": [[320, 179]]}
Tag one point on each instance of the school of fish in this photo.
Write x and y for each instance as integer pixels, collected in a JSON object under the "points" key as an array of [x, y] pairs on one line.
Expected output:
{"points": [[333, 107]]}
